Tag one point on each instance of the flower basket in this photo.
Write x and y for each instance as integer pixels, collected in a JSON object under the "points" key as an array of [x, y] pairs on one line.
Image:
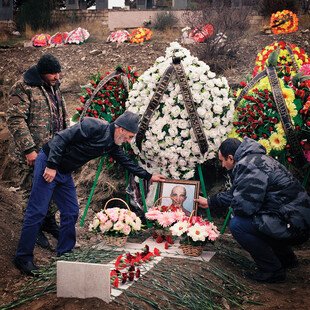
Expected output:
{"points": [[115, 241], [195, 233], [115, 224], [191, 250], [118, 241]]}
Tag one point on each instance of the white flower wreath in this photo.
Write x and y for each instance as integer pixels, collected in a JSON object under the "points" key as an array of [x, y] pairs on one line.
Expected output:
{"points": [[170, 146]]}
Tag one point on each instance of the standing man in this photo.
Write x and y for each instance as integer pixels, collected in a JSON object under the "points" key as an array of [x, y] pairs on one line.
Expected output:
{"points": [[271, 208], [66, 152], [36, 112]]}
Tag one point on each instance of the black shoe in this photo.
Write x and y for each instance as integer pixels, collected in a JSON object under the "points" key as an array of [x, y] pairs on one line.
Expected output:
{"points": [[42, 241], [290, 263], [27, 267], [267, 277]]}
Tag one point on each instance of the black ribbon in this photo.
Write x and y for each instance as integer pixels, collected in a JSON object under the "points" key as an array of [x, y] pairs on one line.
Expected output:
{"points": [[105, 80], [176, 68], [285, 117]]}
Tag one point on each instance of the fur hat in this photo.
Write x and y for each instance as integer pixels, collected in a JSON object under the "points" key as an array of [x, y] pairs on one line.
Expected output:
{"points": [[48, 64], [129, 121]]}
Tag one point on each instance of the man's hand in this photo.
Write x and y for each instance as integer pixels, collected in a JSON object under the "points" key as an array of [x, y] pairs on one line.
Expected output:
{"points": [[31, 158], [49, 175], [202, 202], [158, 178]]}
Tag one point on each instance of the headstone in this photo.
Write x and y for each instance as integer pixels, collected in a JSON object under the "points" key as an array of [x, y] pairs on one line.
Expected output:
{"points": [[6, 9], [179, 4], [102, 4], [83, 280], [141, 4], [72, 4]]}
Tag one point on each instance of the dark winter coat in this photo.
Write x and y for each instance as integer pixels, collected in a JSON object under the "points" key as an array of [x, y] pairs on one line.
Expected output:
{"points": [[72, 148], [29, 116], [266, 191]]}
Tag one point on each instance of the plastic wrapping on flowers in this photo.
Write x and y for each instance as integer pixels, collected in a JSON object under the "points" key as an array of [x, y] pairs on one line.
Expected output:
{"points": [[285, 63], [202, 33], [169, 145], [118, 36], [140, 35], [77, 36], [283, 22], [58, 38], [41, 39], [257, 117], [109, 102]]}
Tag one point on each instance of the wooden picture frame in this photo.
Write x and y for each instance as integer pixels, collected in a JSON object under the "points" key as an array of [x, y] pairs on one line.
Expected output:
{"points": [[182, 192]]}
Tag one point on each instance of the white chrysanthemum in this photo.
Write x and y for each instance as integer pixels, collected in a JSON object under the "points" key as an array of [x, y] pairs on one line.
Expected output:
{"points": [[170, 145]]}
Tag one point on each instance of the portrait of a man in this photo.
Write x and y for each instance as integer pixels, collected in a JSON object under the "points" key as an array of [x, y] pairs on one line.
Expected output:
{"points": [[182, 193]]}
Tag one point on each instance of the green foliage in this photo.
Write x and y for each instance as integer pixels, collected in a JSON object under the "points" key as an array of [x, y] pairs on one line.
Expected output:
{"points": [[267, 7], [165, 20], [37, 14]]}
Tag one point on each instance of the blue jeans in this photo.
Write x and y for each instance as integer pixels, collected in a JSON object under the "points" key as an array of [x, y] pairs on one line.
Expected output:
{"points": [[267, 253], [62, 189]]}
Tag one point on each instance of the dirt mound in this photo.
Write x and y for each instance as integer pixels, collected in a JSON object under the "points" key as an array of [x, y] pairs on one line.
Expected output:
{"points": [[79, 63]]}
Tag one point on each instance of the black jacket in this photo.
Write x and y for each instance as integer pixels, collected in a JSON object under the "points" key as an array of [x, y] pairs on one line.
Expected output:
{"points": [[73, 147], [264, 190]]}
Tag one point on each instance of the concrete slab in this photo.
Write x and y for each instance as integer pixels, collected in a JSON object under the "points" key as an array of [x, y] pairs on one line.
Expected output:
{"points": [[83, 280]]}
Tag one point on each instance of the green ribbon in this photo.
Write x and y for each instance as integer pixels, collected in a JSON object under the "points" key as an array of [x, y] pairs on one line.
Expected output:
{"points": [[141, 186], [204, 191], [92, 191], [230, 210]]}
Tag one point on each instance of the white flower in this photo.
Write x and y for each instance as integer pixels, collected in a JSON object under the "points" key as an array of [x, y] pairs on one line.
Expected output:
{"points": [[179, 228], [170, 143]]}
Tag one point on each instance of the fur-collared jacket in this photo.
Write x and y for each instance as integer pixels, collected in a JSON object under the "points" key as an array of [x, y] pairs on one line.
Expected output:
{"points": [[264, 190], [29, 115]]}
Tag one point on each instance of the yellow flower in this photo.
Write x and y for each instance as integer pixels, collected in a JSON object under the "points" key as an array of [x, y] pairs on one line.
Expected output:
{"points": [[292, 109], [279, 128], [277, 141], [264, 84], [266, 144], [288, 95], [233, 134]]}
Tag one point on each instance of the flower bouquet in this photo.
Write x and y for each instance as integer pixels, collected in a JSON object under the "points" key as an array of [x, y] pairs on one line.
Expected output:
{"points": [[119, 36], [116, 224], [163, 217], [257, 116], [169, 144], [285, 65], [195, 233], [140, 35], [283, 22]]}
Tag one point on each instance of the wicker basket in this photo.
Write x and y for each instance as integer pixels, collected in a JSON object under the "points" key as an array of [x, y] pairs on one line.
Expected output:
{"points": [[113, 240], [191, 250]]}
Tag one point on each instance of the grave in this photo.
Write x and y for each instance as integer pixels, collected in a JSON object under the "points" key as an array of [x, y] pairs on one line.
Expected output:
{"points": [[86, 280]]}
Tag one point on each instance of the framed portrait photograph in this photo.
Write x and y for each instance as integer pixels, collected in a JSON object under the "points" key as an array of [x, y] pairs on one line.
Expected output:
{"points": [[181, 193]]}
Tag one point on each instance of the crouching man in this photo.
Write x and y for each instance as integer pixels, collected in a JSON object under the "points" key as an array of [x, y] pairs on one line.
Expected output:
{"points": [[271, 210]]}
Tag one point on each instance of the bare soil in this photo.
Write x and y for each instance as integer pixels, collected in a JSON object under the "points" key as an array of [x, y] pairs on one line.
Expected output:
{"points": [[79, 63]]}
